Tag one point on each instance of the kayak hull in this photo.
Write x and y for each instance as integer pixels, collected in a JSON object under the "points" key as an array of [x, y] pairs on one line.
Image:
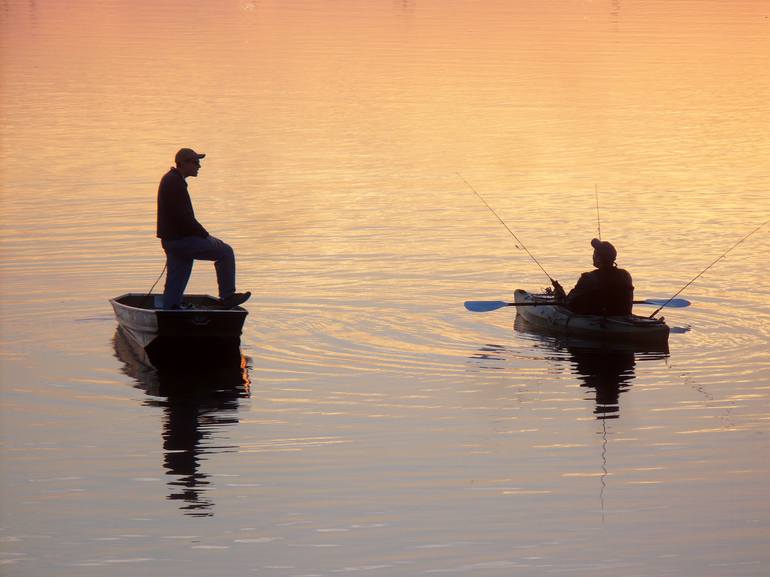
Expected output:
{"points": [[560, 320]]}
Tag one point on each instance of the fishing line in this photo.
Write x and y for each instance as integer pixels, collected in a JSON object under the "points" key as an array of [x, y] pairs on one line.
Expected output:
{"points": [[506, 226], [696, 277]]}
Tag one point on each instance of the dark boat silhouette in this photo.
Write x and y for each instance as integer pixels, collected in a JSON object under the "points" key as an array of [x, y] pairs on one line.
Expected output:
{"points": [[202, 333]]}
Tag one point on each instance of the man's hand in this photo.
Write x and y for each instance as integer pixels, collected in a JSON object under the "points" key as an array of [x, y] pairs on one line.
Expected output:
{"points": [[558, 291]]}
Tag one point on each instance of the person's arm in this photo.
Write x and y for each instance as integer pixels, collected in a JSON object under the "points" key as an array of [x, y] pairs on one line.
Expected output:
{"points": [[579, 298], [558, 290], [181, 212], [628, 305]]}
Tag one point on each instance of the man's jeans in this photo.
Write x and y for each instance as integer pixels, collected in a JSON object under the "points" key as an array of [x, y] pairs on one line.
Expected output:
{"points": [[181, 253]]}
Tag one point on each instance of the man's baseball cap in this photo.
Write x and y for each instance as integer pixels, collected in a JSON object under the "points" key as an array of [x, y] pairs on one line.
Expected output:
{"points": [[605, 251], [186, 154]]}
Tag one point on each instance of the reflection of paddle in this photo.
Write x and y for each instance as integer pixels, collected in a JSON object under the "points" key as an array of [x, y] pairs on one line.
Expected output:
{"points": [[486, 306]]}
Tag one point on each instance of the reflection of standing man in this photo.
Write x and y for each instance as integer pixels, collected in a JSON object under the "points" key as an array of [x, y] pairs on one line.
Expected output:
{"points": [[185, 240]]}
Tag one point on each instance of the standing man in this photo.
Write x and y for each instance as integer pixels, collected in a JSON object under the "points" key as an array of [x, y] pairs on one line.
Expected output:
{"points": [[608, 290], [184, 239]]}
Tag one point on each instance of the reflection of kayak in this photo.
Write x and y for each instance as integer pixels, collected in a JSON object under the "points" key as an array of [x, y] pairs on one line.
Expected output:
{"points": [[560, 341], [559, 319], [605, 368]]}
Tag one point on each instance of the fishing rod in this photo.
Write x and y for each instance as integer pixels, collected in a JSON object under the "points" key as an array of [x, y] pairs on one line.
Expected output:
{"points": [[506, 226], [598, 219], [697, 276], [149, 292], [487, 306]]}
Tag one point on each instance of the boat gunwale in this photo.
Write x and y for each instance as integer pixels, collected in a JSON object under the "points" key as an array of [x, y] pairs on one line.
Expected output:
{"points": [[116, 301], [628, 319]]}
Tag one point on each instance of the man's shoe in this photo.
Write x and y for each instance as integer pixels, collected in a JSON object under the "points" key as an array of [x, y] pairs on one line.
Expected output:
{"points": [[234, 300]]}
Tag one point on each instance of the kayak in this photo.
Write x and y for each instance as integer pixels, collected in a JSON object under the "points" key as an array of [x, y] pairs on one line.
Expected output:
{"points": [[559, 319]]}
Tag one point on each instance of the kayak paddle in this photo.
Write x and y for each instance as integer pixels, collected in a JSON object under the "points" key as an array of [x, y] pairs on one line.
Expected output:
{"points": [[486, 306]]}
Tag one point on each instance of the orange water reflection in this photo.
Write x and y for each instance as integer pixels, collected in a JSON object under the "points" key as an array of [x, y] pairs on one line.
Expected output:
{"points": [[573, 94]]}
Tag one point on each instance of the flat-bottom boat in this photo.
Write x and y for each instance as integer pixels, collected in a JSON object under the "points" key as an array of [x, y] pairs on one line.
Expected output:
{"points": [[199, 333], [560, 320]]}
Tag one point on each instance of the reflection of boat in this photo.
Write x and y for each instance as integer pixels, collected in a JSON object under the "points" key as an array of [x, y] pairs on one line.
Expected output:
{"points": [[168, 336], [605, 367], [196, 403], [626, 328]]}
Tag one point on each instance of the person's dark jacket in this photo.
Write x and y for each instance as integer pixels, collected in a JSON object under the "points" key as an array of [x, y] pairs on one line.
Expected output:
{"points": [[604, 291], [176, 218]]}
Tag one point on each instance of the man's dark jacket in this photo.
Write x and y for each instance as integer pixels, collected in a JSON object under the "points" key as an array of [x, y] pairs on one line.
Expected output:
{"points": [[604, 291], [176, 218]]}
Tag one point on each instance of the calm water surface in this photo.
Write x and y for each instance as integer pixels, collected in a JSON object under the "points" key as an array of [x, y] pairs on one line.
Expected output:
{"points": [[372, 425]]}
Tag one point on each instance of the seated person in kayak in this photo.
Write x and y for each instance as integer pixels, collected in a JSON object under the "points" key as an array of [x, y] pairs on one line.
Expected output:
{"points": [[607, 291]]}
